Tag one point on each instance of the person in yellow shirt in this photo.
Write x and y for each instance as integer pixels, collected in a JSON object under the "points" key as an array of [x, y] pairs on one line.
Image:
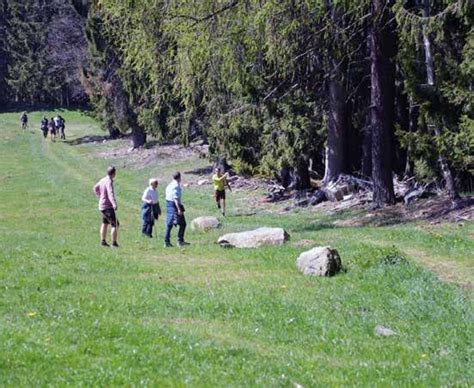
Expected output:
{"points": [[219, 181]]}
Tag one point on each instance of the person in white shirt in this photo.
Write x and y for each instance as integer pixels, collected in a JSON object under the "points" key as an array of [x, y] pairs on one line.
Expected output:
{"points": [[175, 211], [150, 207], [57, 121]]}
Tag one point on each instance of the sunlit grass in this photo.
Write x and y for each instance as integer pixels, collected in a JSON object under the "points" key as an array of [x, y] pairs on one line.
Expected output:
{"points": [[72, 312]]}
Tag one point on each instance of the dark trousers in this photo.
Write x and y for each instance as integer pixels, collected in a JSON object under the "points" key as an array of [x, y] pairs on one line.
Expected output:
{"points": [[172, 218], [149, 213], [147, 228]]}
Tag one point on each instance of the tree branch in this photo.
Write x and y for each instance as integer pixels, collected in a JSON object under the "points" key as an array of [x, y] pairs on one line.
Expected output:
{"points": [[197, 20]]}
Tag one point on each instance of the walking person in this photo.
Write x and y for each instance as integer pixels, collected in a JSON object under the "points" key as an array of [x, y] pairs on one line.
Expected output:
{"points": [[62, 127], [219, 181], [57, 121], [52, 130], [175, 211], [24, 120], [150, 208], [44, 126], [104, 191]]}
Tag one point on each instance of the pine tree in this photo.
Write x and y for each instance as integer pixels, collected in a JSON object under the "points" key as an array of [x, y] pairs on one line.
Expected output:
{"points": [[26, 42]]}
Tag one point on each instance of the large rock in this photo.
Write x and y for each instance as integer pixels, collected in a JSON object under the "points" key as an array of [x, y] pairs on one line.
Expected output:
{"points": [[205, 223], [319, 261], [255, 238]]}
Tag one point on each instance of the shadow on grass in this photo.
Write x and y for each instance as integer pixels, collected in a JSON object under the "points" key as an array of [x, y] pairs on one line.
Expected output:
{"points": [[315, 227], [87, 139], [200, 171]]}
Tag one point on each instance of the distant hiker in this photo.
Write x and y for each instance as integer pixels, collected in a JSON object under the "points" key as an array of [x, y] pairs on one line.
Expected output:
{"points": [[52, 129], [175, 211], [219, 181], [104, 191], [57, 121], [24, 120], [150, 208], [62, 126], [44, 126]]}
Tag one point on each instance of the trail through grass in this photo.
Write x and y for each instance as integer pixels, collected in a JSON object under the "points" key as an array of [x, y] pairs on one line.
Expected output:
{"points": [[72, 312]]}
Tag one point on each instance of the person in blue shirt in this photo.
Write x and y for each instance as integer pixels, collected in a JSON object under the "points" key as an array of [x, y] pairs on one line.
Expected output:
{"points": [[175, 211]]}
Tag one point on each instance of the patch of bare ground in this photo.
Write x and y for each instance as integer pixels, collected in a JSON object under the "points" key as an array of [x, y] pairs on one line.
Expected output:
{"points": [[151, 153], [434, 210]]}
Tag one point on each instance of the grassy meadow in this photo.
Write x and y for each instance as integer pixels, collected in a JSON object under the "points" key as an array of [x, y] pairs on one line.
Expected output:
{"points": [[75, 313]]}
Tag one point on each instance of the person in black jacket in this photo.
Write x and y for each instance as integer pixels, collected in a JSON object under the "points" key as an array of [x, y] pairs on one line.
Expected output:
{"points": [[150, 207]]}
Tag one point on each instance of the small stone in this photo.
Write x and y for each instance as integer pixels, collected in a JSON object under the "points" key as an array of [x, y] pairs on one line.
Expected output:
{"points": [[384, 331], [205, 223]]}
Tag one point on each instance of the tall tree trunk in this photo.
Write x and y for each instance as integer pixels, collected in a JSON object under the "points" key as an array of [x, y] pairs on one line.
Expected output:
{"points": [[429, 64], [366, 163], [412, 128], [402, 119], [446, 171], [302, 178], [337, 112], [337, 123], [383, 49], [138, 137]]}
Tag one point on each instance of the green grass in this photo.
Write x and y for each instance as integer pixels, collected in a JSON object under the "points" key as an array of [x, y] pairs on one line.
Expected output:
{"points": [[74, 313]]}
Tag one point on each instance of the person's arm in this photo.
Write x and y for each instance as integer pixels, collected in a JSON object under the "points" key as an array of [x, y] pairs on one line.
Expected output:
{"points": [[96, 190], [219, 179], [111, 194], [146, 198], [178, 206], [177, 200]]}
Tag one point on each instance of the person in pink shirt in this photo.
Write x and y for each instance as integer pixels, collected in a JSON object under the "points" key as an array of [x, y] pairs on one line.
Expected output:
{"points": [[104, 191]]}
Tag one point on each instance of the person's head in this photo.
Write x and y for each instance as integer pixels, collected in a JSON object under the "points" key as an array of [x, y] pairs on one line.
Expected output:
{"points": [[153, 182], [44, 118], [111, 171], [177, 176], [218, 171]]}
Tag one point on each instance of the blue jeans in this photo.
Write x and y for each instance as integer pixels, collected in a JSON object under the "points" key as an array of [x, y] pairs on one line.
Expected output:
{"points": [[172, 218]]}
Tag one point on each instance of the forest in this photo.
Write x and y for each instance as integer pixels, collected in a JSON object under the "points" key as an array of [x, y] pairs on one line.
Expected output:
{"points": [[288, 89]]}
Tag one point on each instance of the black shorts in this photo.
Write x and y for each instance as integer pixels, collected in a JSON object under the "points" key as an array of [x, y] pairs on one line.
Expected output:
{"points": [[220, 194], [108, 217]]}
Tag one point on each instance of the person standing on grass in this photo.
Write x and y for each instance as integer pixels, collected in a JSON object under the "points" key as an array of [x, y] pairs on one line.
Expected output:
{"points": [[44, 126], [219, 181], [52, 130], [104, 191], [24, 120], [62, 127], [150, 208], [175, 211], [57, 121]]}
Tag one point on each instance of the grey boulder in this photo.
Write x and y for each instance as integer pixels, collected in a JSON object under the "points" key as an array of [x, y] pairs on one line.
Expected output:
{"points": [[319, 261], [255, 238]]}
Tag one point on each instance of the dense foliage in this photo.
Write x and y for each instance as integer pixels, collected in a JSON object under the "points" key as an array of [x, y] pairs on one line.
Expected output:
{"points": [[43, 52], [294, 88]]}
